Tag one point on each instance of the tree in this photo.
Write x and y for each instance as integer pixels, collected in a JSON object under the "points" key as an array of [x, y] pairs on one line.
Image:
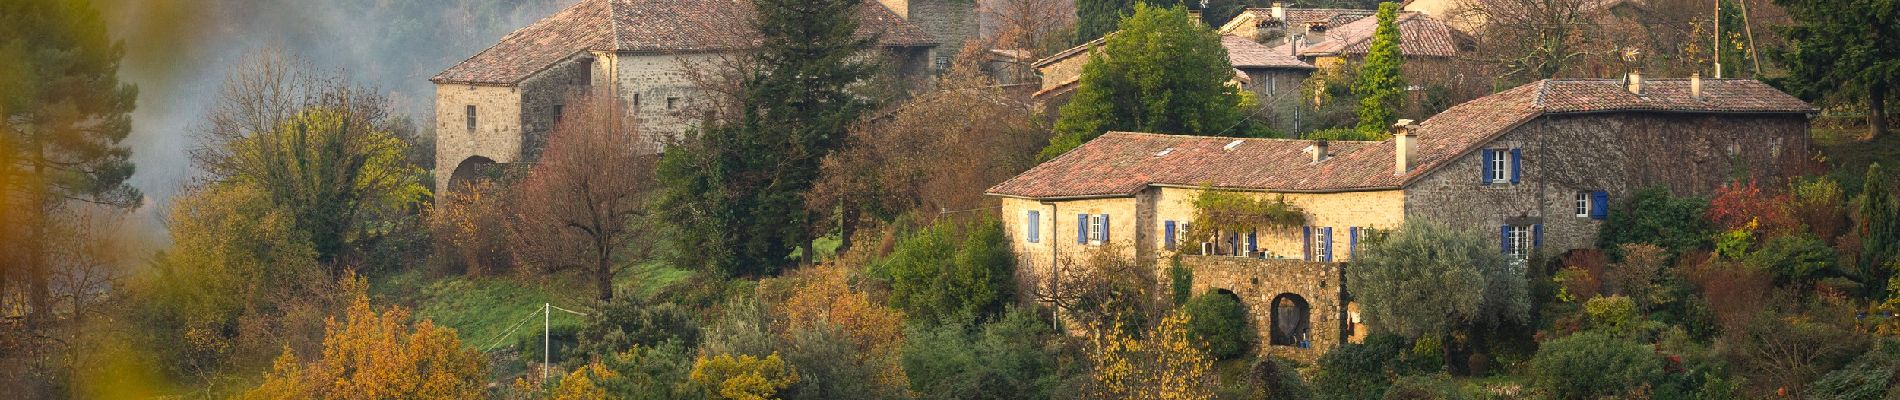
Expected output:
{"points": [[934, 277], [1381, 84], [1094, 18], [1843, 50], [1163, 72], [1877, 223], [324, 151], [1535, 39], [63, 114], [378, 355], [581, 203], [1428, 280], [1163, 364], [741, 185], [1653, 216], [1007, 358], [1219, 323], [744, 377]]}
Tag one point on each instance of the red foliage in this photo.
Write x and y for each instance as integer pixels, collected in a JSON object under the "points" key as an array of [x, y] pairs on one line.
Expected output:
{"points": [[1735, 293], [1735, 205]]}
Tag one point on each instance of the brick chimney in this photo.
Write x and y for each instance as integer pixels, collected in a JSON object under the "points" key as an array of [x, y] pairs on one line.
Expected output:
{"points": [[1318, 150], [1405, 146]]}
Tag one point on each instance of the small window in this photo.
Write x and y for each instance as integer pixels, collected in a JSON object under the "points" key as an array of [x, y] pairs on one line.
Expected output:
{"points": [[1500, 166], [1033, 224], [636, 102], [1095, 228], [587, 73], [559, 111], [672, 103], [470, 112], [1583, 204], [943, 63], [1520, 241]]}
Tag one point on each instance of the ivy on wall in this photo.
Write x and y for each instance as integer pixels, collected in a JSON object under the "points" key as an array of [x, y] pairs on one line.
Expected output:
{"points": [[1218, 211]]}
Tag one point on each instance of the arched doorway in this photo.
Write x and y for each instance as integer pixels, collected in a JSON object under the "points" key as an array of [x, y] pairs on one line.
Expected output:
{"points": [[471, 169], [1292, 321]]}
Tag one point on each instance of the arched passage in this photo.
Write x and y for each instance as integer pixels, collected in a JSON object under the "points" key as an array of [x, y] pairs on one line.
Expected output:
{"points": [[1291, 321], [469, 170]]}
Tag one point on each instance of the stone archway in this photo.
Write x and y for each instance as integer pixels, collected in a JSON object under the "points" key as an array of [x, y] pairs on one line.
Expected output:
{"points": [[1290, 321], [470, 170]]}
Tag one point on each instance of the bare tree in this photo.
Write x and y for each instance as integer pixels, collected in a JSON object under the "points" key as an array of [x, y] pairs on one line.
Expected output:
{"points": [[580, 205], [1034, 28], [1534, 39]]}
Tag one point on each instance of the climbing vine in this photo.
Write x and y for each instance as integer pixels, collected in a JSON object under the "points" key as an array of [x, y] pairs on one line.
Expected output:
{"points": [[1222, 211]]}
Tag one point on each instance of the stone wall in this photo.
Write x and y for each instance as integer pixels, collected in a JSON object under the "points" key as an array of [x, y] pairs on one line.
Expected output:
{"points": [[1268, 82], [1691, 154], [1257, 282], [1057, 244], [1063, 71], [497, 132], [951, 22], [545, 95]]}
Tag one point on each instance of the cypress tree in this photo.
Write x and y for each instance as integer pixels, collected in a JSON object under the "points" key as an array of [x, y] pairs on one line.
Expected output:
{"points": [[1381, 85]]}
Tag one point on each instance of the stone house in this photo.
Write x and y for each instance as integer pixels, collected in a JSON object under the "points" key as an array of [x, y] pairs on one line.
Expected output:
{"points": [[497, 106], [1272, 26], [1536, 168], [1257, 68], [1423, 41]]}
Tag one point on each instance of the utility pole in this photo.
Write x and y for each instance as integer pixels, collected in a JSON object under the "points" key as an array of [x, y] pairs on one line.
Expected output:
{"points": [[1717, 45], [545, 332]]}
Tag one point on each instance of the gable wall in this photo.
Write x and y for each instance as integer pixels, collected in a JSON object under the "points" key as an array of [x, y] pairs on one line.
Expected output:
{"points": [[497, 133]]}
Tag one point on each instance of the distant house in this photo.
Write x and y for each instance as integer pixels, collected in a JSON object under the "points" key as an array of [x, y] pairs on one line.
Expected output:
{"points": [[1256, 68], [1537, 168], [1273, 26], [1423, 40], [498, 105]]}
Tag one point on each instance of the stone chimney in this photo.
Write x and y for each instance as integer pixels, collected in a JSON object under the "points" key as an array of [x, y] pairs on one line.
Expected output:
{"points": [[1405, 146], [1315, 30], [1318, 151], [1635, 82], [1695, 85], [1279, 11]]}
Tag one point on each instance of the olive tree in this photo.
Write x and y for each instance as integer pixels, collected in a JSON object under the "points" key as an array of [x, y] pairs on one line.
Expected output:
{"points": [[1429, 280]]}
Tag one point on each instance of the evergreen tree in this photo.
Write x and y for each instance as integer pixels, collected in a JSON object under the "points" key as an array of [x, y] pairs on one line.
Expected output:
{"points": [[1428, 280], [1381, 85], [740, 187], [63, 114], [1164, 72], [1843, 49], [1094, 18], [1880, 230]]}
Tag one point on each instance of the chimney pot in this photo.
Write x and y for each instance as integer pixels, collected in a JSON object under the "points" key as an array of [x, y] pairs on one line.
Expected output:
{"points": [[1695, 85], [1319, 150]]}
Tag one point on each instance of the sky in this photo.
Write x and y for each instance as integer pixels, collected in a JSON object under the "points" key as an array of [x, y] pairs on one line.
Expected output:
{"points": [[178, 53]]}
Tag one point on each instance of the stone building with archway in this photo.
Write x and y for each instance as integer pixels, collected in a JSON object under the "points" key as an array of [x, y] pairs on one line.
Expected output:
{"points": [[1536, 168]]}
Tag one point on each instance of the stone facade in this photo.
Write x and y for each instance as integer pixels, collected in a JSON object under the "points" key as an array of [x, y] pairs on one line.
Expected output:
{"points": [[1620, 153], [496, 136], [1319, 287], [951, 22]]}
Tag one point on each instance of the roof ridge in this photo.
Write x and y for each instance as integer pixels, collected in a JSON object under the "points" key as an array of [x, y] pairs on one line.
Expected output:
{"points": [[1542, 87]]}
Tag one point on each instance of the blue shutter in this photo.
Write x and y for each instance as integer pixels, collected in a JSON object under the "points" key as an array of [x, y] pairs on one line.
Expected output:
{"points": [[1517, 164], [1326, 244], [1504, 239], [1035, 226], [1167, 234], [1599, 204], [1484, 171], [1253, 242], [1104, 228], [1352, 243], [1081, 229], [1306, 243], [1537, 235]]}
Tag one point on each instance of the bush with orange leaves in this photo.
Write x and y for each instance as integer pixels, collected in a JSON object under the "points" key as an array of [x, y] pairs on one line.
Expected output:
{"points": [[378, 355], [822, 301]]}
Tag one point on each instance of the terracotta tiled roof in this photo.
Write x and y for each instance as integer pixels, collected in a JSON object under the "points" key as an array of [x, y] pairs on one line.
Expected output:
{"points": [[1300, 16], [643, 26], [1245, 53], [1419, 36], [1080, 49], [1122, 163]]}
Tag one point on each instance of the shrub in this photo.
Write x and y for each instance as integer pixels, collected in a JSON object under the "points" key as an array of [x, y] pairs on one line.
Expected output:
{"points": [[744, 377], [1797, 259], [1636, 276], [1653, 216], [935, 276], [1423, 387], [1180, 281], [1616, 314], [1591, 365], [1277, 378], [626, 322], [1002, 359], [1218, 322], [1874, 375], [1359, 370]]}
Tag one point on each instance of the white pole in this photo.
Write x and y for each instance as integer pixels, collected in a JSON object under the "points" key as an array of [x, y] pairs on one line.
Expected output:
{"points": [[544, 342]]}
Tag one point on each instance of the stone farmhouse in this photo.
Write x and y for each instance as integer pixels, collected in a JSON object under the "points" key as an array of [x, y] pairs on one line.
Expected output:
{"points": [[1256, 68], [1536, 168], [497, 106]]}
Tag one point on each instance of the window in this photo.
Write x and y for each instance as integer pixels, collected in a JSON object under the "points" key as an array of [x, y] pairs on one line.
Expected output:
{"points": [[1518, 242], [636, 102], [942, 63], [1325, 244], [558, 110], [672, 103], [587, 72], [470, 112], [1033, 224], [1500, 167], [1097, 225], [1168, 237], [1583, 204]]}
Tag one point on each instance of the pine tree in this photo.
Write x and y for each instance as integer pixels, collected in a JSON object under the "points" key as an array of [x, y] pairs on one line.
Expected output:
{"points": [[1381, 84], [1165, 72], [63, 114], [1843, 49], [740, 188]]}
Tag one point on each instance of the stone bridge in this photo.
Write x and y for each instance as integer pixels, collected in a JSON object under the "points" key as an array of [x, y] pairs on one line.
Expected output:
{"points": [[1297, 307]]}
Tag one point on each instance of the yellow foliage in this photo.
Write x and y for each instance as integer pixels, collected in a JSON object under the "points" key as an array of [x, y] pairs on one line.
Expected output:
{"points": [[378, 356], [823, 295], [1164, 366], [582, 385], [744, 377]]}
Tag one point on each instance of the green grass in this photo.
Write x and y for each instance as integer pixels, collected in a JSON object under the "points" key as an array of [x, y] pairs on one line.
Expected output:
{"points": [[482, 309]]}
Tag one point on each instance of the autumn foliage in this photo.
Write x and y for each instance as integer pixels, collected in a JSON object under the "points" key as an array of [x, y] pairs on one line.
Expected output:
{"points": [[1738, 205], [378, 355]]}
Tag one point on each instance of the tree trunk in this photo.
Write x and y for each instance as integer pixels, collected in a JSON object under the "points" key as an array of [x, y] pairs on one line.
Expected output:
{"points": [[604, 279], [1877, 110], [847, 226], [40, 296]]}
